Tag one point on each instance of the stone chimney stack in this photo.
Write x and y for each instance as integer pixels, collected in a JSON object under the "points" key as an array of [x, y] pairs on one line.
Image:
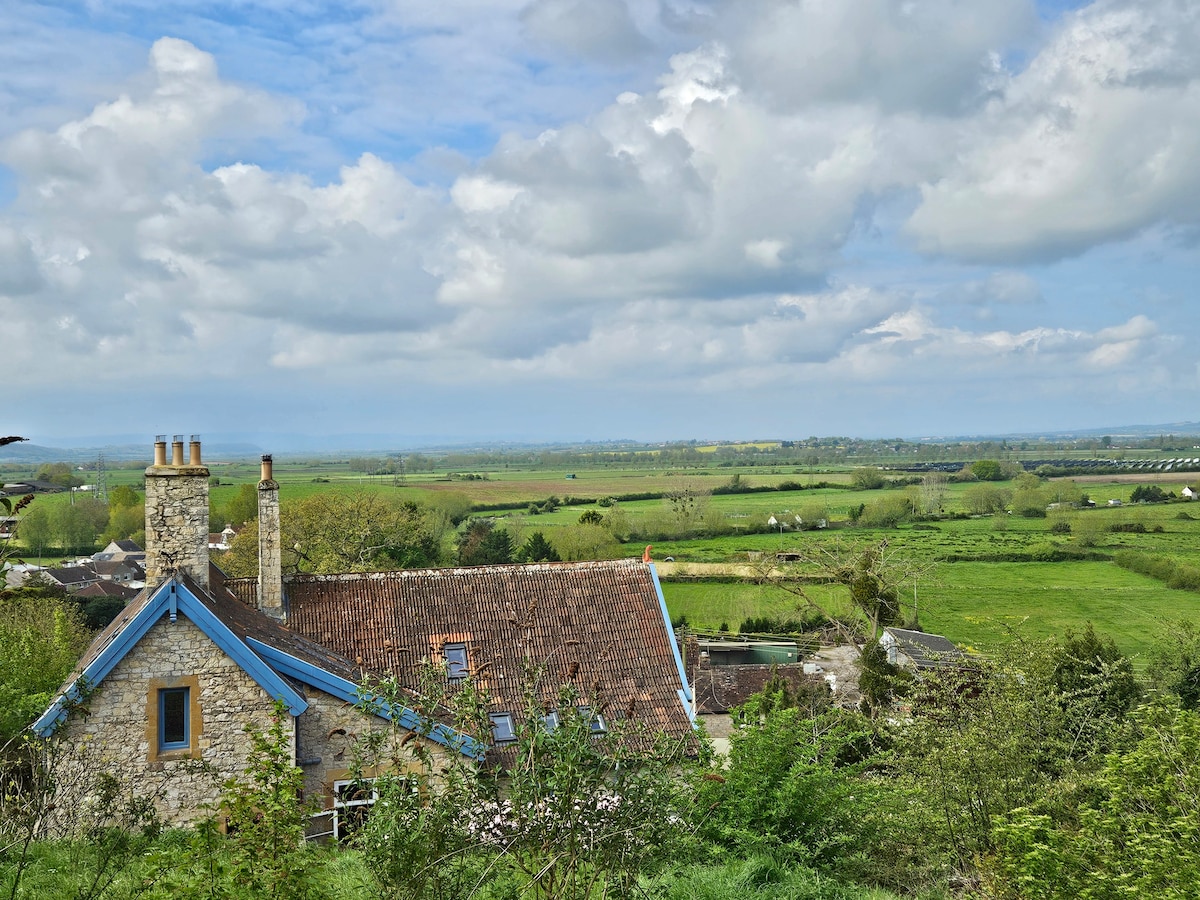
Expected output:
{"points": [[176, 513], [270, 560]]}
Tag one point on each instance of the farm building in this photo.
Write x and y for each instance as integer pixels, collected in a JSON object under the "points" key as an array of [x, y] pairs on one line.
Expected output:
{"points": [[196, 658], [918, 649]]}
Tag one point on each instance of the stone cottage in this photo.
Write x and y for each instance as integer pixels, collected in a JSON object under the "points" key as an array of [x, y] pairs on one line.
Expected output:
{"points": [[163, 696]]}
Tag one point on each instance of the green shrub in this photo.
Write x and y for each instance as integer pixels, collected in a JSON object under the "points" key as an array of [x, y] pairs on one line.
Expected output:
{"points": [[791, 786], [1133, 831], [1169, 571], [886, 512], [866, 478]]}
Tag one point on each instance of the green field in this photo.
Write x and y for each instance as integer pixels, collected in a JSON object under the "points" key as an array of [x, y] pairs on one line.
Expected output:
{"points": [[709, 605], [980, 605], [981, 582]]}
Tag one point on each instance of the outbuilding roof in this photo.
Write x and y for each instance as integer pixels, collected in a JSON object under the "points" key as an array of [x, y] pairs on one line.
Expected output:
{"points": [[926, 650]]}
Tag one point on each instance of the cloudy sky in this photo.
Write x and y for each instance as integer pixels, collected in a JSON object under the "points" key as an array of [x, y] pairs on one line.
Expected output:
{"points": [[573, 219]]}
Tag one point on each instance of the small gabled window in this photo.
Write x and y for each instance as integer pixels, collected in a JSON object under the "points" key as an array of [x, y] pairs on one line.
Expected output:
{"points": [[456, 661], [174, 726], [550, 721], [503, 731]]}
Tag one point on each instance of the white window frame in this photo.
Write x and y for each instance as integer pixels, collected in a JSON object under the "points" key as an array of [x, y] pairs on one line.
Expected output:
{"points": [[339, 804], [595, 720]]}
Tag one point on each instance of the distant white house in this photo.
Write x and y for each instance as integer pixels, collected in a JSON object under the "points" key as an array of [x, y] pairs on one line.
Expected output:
{"points": [[220, 540], [1188, 494]]}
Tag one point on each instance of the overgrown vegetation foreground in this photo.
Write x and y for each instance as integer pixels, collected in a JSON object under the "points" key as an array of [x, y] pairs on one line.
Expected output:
{"points": [[1049, 772]]}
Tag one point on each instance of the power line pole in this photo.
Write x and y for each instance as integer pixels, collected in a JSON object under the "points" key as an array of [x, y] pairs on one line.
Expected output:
{"points": [[101, 489]]}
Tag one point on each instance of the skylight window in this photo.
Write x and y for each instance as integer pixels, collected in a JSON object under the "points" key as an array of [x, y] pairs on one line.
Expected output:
{"points": [[595, 720], [503, 731], [456, 661]]}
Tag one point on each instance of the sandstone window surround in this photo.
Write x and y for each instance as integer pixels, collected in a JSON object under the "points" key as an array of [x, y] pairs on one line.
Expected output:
{"points": [[174, 721]]}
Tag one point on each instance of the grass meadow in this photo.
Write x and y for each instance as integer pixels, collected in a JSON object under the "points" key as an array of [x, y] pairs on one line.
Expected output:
{"points": [[981, 583], [971, 599]]}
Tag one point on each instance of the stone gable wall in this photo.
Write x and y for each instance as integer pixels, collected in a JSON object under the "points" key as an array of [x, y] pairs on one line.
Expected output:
{"points": [[329, 731], [114, 734]]}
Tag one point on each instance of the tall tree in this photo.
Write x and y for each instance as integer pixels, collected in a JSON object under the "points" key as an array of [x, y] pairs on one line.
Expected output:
{"points": [[537, 549], [361, 532], [481, 543]]}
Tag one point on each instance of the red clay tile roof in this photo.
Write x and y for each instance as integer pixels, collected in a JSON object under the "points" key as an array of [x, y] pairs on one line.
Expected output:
{"points": [[243, 622], [107, 589], [597, 625]]}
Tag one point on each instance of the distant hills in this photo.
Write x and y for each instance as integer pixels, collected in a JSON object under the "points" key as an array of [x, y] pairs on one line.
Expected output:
{"points": [[31, 454], [240, 447]]}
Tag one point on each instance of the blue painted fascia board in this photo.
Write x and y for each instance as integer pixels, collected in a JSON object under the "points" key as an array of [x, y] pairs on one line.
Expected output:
{"points": [[339, 687], [220, 634], [170, 597], [106, 660], [685, 693]]}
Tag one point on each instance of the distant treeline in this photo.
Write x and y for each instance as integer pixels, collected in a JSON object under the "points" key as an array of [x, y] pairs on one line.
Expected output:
{"points": [[732, 487], [1171, 572]]}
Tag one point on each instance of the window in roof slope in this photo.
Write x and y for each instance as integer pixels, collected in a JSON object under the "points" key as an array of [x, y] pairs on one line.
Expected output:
{"points": [[456, 661], [596, 720], [503, 731]]}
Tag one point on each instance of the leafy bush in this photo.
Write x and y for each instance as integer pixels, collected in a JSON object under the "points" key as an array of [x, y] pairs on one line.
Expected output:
{"points": [[577, 813], [42, 635], [267, 816], [791, 785], [1174, 574], [1147, 493], [866, 478], [987, 470], [772, 625], [1132, 830], [886, 512]]}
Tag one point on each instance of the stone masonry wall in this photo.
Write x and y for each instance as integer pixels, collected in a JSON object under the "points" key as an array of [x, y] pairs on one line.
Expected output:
{"points": [[270, 568], [177, 522], [328, 732], [114, 737]]}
